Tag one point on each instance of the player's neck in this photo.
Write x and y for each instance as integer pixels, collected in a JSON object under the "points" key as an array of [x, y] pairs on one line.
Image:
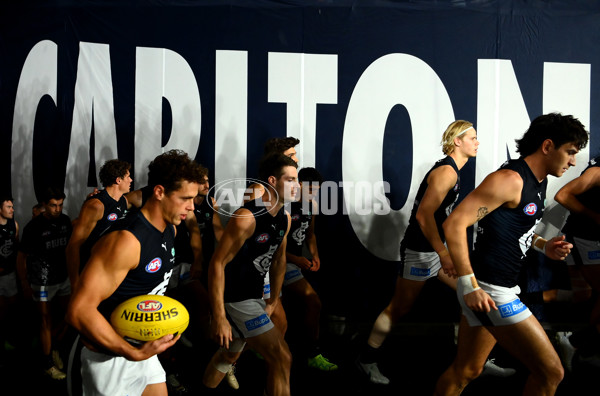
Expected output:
{"points": [[3, 220], [537, 164], [459, 160], [153, 213], [114, 192], [271, 202], [198, 199]]}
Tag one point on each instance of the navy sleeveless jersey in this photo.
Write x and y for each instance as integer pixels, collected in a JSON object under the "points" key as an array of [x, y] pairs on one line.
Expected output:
{"points": [[8, 247], [505, 235], [413, 237], [157, 257], [245, 274], [45, 242], [204, 216], [113, 211], [301, 218], [582, 226]]}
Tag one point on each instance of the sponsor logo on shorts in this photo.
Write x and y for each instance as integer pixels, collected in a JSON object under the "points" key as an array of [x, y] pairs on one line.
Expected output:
{"points": [[292, 274], [256, 323], [154, 265], [267, 289], [512, 308], [44, 294], [594, 255], [262, 238], [112, 217], [530, 209], [414, 271], [149, 305]]}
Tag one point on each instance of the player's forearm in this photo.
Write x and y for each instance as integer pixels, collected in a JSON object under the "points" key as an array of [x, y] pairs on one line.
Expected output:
{"points": [[430, 231], [73, 262], [89, 322], [216, 289], [276, 275], [456, 239], [312, 245]]}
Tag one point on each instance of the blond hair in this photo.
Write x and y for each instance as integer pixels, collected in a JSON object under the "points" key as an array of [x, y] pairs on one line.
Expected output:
{"points": [[454, 130]]}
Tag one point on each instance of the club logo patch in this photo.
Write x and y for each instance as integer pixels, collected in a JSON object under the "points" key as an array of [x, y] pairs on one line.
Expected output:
{"points": [[112, 217], [530, 209], [154, 265], [262, 238]]}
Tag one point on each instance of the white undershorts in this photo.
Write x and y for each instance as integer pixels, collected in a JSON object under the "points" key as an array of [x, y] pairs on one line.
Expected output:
{"points": [[105, 375], [510, 308]]}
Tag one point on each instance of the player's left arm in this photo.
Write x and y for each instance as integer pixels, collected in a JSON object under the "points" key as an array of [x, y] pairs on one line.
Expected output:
{"points": [[112, 258], [439, 182], [195, 243], [217, 225], [567, 195], [311, 241], [277, 270]]}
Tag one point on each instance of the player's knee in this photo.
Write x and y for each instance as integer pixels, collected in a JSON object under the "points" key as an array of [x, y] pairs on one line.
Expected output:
{"points": [[314, 301], [551, 373]]}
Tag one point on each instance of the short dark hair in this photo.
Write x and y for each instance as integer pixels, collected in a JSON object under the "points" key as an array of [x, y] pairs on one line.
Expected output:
{"points": [[111, 170], [52, 193], [559, 128], [273, 164], [279, 145], [310, 175], [4, 198], [170, 169]]}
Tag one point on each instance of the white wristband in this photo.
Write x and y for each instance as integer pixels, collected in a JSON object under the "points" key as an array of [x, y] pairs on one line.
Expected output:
{"points": [[536, 248], [468, 283]]}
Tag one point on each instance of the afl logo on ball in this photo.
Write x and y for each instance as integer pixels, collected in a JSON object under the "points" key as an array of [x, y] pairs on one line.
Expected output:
{"points": [[112, 217], [530, 209], [149, 306], [154, 265], [262, 238]]}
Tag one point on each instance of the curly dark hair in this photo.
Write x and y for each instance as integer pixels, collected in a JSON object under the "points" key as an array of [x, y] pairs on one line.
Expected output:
{"points": [[279, 145], [559, 128], [111, 170], [170, 169]]}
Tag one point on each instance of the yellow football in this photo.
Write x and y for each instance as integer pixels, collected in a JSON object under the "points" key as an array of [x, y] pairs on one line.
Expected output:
{"points": [[148, 317]]}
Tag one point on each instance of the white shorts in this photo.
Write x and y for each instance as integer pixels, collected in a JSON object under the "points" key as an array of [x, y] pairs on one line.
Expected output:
{"points": [[510, 308], [47, 293], [102, 374], [8, 285], [293, 273], [584, 252], [419, 266], [248, 318]]}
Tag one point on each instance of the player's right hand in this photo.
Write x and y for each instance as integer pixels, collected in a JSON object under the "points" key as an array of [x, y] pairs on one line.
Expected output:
{"points": [[155, 347], [304, 263], [448, 266], [479, 301], [221, 331]]}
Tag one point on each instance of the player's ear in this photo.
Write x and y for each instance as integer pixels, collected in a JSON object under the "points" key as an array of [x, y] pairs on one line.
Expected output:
{"points": [[547, 145], [159, 192], [272, 180]]}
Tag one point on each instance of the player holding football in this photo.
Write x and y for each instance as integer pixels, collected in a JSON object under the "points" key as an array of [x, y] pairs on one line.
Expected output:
{"points": [[119, 269]]}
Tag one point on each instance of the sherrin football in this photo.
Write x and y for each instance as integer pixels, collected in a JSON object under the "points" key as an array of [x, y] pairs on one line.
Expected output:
{"points": [[148, 317]]}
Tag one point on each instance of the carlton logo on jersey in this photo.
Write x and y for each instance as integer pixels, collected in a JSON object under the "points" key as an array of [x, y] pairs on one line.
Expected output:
{"points": [[154, 265], [262, 238], [530, 209], [112, 217]]}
